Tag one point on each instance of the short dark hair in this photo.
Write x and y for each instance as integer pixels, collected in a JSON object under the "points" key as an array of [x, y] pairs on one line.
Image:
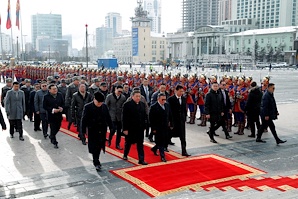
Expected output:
{"points": [[119, 86], [221, 81], [178, 87], [135, 92], [253, 84], [15, 83], [50, 86], [214, 83], [162, 84], [136, 89], [270, 85], [125, 84], [161, 95]]}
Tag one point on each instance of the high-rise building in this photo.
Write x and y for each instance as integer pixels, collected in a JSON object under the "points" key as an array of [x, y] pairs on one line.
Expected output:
{"points": [[199, 13], [104, 40], [69, 39], [6, 44], [269, 13], [48, 25], [153, 7], [225, 10], [114, 21]]}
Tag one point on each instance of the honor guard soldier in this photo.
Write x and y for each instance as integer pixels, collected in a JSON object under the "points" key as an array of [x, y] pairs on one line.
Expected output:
{"points": [[5, 89]]}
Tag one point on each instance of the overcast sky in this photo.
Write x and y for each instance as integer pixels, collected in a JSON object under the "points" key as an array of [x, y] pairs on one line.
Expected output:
{"points": [[77, 13]]}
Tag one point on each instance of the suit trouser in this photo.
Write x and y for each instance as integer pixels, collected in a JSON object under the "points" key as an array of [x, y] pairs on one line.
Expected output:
{"points": [[252, 121], [220, 123], [118, 126], [95, 156], [55, 127], [183, 142], [265, 124], [36, 121], [140, 148], [212, 129], [44, 123], [16, 124]]}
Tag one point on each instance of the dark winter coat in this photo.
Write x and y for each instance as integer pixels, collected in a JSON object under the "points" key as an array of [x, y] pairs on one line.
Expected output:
{"points": [[179, 113], [78, 103], [268, 106], [49, 103], [214, 105], [160, 120], [253, 104], [96, 120], [115, 106], [134, 120]]}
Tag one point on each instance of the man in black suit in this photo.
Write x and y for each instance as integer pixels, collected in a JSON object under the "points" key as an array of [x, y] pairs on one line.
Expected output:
{"points": [[134, 123], [53, 103], [160, 122], [227, 110], [147, 92], [179, 112]]}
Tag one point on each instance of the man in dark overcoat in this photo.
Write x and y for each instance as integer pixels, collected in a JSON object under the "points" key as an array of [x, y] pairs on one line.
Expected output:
{"points": [[134, 123], [53, 103], [179, 112], [269, 113], [160, 120], [96, 119]]}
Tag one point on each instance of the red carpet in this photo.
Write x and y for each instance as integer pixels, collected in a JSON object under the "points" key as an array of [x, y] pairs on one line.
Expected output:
{"points": [[207, 172], [183, 174], [133, 154]]}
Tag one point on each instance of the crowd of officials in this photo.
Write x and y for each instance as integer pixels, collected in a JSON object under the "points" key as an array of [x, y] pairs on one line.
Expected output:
{"points": [[138, 107]]}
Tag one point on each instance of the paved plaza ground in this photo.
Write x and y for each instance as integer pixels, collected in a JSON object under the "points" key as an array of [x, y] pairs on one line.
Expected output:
{"points": [[34, 169]]}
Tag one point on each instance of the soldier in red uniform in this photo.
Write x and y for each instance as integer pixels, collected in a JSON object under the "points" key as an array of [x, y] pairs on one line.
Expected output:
{"points": [[191, 98], [203, 89], [241, 94]]}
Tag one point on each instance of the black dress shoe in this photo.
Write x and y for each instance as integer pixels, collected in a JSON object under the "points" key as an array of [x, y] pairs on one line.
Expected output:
{"points": [[186, 154], [56, 146], [228, 137], [11, 136], [143, 163], [213, 141], [171, 143], [119, 147], [21, 138], [166, 150], [281, 141], [154, 151], [259, 140], [84, 142], [251, 136], [163, 160], [45, 136], [215, 134], [125, 158], [98, 167]]}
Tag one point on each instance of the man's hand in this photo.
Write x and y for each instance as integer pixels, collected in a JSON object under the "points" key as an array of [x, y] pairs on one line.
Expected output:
{"points": [[222, 114], [60, 108], [230, 111], [37, 112], [125, 132], [154, 131], [267, 118], [208, 116]]}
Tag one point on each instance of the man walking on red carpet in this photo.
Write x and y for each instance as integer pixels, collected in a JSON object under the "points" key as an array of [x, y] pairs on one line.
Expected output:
{"points": [[134, 124], [160, 122]]}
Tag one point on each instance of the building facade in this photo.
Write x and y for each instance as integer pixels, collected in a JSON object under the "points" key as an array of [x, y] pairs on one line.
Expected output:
{"points": [[104, 40], [225, 10], [153, 7], [49, 25], [239, 25], [269, 13], [69, 39], [268, 45], [113, 20], [199, 13]]}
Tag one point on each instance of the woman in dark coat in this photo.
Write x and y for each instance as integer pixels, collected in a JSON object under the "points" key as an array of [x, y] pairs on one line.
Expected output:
{"points": [[96, 118]]}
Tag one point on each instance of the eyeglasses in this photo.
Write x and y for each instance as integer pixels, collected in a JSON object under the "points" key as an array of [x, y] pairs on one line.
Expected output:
{"points": [[163, 99], [44, 86], [120, 91], [223, 84]]}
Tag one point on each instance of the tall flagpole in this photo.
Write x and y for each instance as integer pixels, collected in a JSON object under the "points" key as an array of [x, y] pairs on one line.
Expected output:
{"points": [[21, 24]]}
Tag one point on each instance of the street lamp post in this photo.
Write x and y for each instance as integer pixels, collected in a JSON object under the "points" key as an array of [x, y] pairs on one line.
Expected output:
{"points": [[49, 54], [17, 49], [86, 44]]}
